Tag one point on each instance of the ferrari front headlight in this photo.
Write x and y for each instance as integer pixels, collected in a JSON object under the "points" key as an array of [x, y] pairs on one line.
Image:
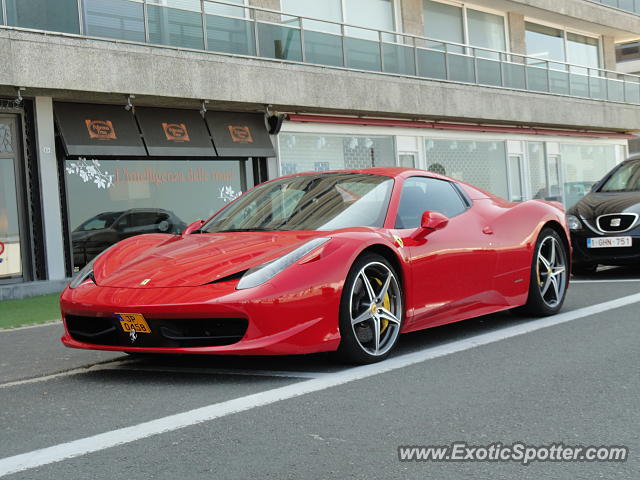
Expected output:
{"points": [[574, 222], [258, 275], [86, 272]]}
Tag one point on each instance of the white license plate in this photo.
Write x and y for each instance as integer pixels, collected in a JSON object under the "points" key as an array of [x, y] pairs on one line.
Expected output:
{"points": [[608, 242]]}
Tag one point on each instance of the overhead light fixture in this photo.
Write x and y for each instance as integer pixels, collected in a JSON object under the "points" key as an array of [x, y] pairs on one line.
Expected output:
{"points": [[203, 107], [129, 106]]}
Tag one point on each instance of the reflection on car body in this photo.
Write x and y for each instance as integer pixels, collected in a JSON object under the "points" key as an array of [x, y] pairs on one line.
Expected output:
{"points": [[105, 229]]}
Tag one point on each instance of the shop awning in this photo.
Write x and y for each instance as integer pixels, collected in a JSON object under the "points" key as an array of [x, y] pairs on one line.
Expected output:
{"points": [[174, 133], [240, 134], [100, 130]]}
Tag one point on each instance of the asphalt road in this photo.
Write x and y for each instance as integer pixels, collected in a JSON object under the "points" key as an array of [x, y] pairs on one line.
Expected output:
{"points": [[497, 378]]}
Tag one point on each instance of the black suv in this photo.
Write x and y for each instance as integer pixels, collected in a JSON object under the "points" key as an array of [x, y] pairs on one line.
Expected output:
{"points": [[604, 224]]}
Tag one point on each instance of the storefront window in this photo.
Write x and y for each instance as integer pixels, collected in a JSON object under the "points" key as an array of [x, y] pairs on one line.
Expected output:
{"points": [[584, 165], [537, 170], [58, 16], [480, 163], [317, 153], [10, 249], [110, 200]]}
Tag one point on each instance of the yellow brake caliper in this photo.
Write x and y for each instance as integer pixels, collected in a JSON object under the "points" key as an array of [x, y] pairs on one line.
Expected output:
{"points": [[386, 303]]}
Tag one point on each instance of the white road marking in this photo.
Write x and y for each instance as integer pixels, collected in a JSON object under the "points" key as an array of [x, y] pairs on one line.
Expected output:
{"points": [[121, 436], [26, 327], [68, 373], [613, 280]]}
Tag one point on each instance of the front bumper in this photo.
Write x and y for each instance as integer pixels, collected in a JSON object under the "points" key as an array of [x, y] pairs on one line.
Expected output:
{"points": [[260, 321], [582, 255]]}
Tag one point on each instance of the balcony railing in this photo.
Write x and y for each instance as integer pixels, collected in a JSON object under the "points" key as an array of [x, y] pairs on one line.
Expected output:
{"points": [[229, 28], [632, 6]]}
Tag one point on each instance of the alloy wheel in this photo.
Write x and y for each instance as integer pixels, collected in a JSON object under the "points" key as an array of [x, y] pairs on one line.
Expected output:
{"points": [[551, 271], [375, 308]]}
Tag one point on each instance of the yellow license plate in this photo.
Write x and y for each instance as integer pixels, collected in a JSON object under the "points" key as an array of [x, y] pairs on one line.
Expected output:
{"points": [[133, 321]]}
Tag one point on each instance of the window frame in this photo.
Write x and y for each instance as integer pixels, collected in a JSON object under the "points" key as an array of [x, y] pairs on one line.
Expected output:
{"points": [[396, 17], [465, 22], [565, 45]]}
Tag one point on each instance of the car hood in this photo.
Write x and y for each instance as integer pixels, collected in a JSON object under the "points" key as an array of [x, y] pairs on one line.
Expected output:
{"points": [[596, 203], [156, 261]]}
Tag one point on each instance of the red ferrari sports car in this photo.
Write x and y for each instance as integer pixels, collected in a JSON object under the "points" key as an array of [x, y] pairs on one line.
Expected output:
{"points": [[343, 260]]}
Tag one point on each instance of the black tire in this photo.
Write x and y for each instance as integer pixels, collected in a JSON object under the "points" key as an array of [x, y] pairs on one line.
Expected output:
{"points": [[541, 302], [360, 347]]}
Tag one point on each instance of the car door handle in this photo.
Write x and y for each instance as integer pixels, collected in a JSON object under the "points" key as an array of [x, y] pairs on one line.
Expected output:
{"points": [[487, 230]]}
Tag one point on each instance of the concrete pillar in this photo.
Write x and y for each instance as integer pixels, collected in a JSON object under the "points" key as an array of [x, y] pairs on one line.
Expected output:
{"points": [[517, 42], [412, 17], [608, 52], [267, 17], [50, 189]]}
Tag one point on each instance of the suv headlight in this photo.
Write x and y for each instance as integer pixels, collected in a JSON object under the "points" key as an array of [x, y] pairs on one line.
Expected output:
{"points": [[258, 275], [574, 222]]}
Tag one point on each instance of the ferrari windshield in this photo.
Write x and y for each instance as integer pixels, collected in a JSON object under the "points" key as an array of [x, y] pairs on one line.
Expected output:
{"points": [[325, 201], [625, 179]]}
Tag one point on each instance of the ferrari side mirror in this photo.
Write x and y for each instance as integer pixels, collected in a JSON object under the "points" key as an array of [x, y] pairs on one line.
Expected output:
{"points": [[434, 221], [431, 221], [193, 227]]}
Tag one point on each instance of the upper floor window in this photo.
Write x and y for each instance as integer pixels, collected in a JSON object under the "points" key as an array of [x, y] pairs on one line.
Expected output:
{"points": [[459, 24], [371, 14], [549, 43], [60, 16]]}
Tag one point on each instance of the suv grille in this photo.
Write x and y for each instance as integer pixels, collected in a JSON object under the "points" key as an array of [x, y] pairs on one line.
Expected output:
{"points": [[616, 222]]}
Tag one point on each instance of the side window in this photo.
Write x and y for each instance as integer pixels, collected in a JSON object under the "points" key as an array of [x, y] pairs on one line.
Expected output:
{"points": [[420, 194], [123, 223], [144, 219]]}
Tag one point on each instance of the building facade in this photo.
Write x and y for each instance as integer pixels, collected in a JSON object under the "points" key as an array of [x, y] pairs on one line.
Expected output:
{"points": [[122, 117]]}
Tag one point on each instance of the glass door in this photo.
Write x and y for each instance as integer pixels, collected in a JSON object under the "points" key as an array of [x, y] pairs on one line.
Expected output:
{"points": [[11, 252], [514, 168], [544, 173]]}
